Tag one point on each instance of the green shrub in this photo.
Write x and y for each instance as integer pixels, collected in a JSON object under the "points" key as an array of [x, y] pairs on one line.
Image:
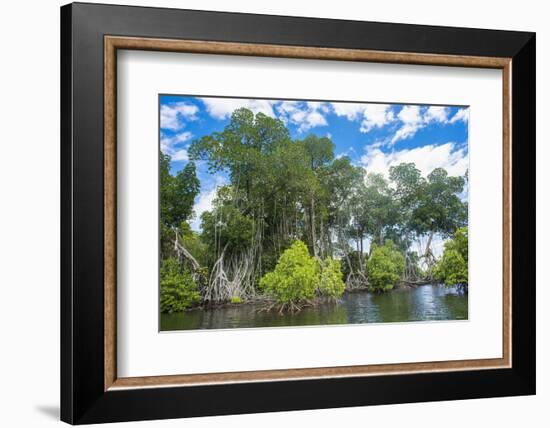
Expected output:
{"points": [[295, 278], [452, 268], [385, 267], [178, 291], [236, 300], [331, 284]]}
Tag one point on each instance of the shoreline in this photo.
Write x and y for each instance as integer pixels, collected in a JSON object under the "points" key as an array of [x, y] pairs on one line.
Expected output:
{"points": [[257, 301], [357, 307]]}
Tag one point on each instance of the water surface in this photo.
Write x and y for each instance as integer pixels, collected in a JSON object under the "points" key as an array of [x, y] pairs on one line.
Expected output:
{"points": [[425, 303]]}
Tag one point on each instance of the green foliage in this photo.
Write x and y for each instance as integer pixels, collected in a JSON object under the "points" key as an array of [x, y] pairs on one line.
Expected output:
{"points": [[408, 183], [295, 278], [384, 267], [373, 210], [379, 207], [227, 226], [177, 193], [427, 206], [236, 300], [319, 150], [243, 148], [271, 176], [460, 242], [439, 208], [178, 291], [282, 189], [341, 180], [166, 240], [452, 268], [330, 283], [192, 241]]}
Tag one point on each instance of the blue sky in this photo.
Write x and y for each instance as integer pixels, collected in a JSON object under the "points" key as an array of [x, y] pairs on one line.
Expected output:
{"points": [[375, 136]]}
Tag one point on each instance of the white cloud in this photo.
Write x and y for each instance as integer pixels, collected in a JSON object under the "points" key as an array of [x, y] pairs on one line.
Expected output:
{"points": [[222, 108], [410, 115], [413, 118], [205, 202], [351, 111], [376, 116], [371, 115], [426, 158], [173, 116], [412, 121], [406, 131], [318, 105], [348, 152], [304, 115], [180, 155], [462, 114], [436, 114], [171, 146], [287, 108]]}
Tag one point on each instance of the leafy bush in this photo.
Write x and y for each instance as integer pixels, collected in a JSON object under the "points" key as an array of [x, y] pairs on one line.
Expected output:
{"points": [[178, 291], [295, 278], [452, 269], [331, 284], [385, 267], [236, 300]]}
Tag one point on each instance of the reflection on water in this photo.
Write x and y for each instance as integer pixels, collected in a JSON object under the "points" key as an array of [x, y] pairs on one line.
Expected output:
{"points": [[425, 303]]}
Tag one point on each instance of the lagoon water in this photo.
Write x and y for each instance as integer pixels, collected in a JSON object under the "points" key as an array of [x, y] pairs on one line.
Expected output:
{"points": [[424, 303]]}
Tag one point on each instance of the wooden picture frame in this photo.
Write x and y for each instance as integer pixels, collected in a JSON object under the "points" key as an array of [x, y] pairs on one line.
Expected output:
{"points": [[91, 390]]}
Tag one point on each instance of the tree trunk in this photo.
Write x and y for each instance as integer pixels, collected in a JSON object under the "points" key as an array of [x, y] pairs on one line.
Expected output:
{"points": [[312, 218], [427, 251], [182, 252], [361, 251], [322, 238], [428, 255]]}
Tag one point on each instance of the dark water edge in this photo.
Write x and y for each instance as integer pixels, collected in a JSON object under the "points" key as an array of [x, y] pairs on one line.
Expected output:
{"points": [[424, 303]]}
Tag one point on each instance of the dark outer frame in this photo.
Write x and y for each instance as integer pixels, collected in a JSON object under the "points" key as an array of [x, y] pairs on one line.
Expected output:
{"points": [[83, 397], [114, 43]]}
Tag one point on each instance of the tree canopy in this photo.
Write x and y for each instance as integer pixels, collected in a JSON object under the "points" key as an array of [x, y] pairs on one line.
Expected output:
{"points": [[296, 221], [177, 192]]}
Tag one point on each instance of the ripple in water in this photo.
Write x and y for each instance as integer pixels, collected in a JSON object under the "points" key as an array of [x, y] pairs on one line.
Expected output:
{"points": [[425, 303]]}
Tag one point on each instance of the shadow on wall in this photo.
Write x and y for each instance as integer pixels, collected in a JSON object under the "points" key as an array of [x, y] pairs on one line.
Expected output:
{"points": [[50, 411]]}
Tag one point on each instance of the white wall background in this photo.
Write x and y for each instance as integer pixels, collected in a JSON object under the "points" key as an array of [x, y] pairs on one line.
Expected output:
{"points": [[29, 214]]}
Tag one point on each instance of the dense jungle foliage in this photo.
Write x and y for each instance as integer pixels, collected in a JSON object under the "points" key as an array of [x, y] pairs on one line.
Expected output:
{"points": [[296, 225]]}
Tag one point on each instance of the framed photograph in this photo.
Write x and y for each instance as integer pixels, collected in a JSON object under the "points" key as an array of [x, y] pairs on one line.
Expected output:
{"points": [[265, 213]]}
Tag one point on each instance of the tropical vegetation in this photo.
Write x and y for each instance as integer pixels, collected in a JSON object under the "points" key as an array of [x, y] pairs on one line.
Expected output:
{"points": [[296, 225]]}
